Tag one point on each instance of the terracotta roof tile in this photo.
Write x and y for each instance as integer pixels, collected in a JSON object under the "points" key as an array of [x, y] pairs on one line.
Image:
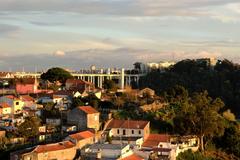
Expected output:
{"points": [[12, 97], [5, 105], [27, 98], [133, 157], [25, 81], [53, 147], [82, 135], [88, 109], [133, 124], [153, 140]]}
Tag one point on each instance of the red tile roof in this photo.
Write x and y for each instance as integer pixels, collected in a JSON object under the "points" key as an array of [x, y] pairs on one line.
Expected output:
{"points": [[133, 157], [27, 98], [88, 109], [53, 147], [75, 81], [132, 124], [82, 135], [153, 140], [78, 81], [25, 81], [4, 105], [12, 97]]}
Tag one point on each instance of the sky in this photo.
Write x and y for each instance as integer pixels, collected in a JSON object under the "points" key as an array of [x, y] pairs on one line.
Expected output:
{"points": [[38, 34]]}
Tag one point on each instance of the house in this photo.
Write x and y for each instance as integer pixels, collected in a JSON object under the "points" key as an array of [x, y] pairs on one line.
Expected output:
{"points": [[106, 151], [53, 121], [82, 139], [79, 85], [156, 141], [16, 103], [133, 129], [5, 109], [84, 117], [62, 150], [6, 75], [26, 86], [29, 101], [132, 157]]}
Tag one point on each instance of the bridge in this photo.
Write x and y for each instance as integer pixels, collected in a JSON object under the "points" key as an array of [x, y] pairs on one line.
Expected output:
{"points": [[124, 78]]}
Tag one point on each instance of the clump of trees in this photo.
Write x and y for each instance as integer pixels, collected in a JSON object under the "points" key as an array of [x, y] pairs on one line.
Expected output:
{"points": [[221, 81], [56, 74], [29, 128], [110, 85]]}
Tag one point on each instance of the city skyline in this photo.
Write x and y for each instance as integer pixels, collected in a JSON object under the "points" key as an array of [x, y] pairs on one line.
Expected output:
{"points": [[115, 33]]}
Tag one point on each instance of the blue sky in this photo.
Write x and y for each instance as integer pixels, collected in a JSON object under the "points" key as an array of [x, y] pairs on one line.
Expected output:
{"points": [[115, 33]]}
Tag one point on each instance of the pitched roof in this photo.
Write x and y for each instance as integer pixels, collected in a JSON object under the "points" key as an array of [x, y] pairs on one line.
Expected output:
{"points": [[53, 147], [133, 157], [27, 98], [78, 81], [26, 81], [4, 105], [133, 124], [12, 97], [153, 140], [88, 109], [75, 81], [82, 135]]}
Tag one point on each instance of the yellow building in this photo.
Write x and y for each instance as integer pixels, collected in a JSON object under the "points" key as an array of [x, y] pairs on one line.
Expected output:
{"points": [[15, 103], [5, 109]]}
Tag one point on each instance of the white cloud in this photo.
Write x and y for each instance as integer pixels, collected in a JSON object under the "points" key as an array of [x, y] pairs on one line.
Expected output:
{"points": [[59, 53]]}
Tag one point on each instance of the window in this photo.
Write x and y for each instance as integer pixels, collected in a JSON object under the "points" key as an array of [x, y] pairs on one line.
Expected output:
{"points": [[118, 131], [17, 103], [132, 131], [139, 132], [124, 132]]}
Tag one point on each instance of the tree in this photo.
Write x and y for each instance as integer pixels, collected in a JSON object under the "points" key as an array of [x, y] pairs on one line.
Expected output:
{"points": [[230, 141], [229, 115], [110, 85], [56, 74], [77, 102], [200, 116], [189, 155], [29, 128], [221, 80], [118, 102]]}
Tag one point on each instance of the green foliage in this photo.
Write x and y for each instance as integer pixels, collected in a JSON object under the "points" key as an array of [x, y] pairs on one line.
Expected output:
{"points": [[110, 85], [29, 128], [49, 111], [200, 116], [230, 141], [189, 155], [229, 115], [220, 81], [56, 74], [92, 100], [77, 101], [109, 139], [3, 143]]}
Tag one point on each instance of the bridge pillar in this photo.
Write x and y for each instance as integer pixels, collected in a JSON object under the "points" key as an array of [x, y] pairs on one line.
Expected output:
{"points": [[122, 79]]}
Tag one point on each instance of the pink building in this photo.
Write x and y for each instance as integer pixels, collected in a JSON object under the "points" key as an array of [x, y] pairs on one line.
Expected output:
{"points": [[26, 86]]}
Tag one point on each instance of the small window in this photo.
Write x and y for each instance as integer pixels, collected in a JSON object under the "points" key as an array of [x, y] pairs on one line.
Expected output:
{"points": [[118, 131], [139, 132], [17, 103], [124, 132], [132, 131]]}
